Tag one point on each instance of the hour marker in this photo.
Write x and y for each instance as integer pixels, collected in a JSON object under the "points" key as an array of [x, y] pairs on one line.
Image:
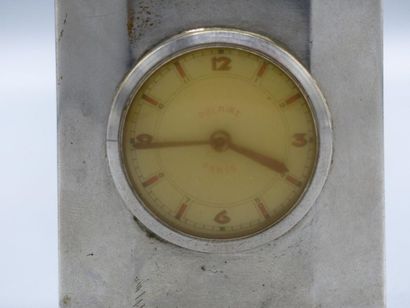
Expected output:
{"points": [[181, 211], [293, 180], [262, 208], [262, 69], [220, 51], [293, 98], [150, 100], [152, 180], [180, 69]]}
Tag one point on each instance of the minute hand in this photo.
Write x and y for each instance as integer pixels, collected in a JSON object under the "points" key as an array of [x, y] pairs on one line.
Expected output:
{"points": [[269, 162]]}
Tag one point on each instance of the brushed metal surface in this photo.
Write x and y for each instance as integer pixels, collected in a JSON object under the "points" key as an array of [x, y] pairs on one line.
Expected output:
{"points": [[332, 258], [346, 60], [152, 21]]}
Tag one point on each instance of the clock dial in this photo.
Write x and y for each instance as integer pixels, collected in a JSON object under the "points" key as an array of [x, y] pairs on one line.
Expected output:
{"points": [[219, 143]]}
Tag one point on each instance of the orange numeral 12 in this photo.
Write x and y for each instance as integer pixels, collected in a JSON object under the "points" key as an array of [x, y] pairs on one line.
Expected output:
{"points": [[221, 63]]}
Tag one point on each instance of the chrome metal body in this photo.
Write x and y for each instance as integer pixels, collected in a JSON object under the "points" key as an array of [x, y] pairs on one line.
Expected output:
{"points": [[218, 37], [333, 257]]}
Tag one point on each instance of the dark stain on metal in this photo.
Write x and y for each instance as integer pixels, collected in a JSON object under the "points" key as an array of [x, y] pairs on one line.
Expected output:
{"points": [[147, 232], [66, 300], [130, 23], [140, 17], [213, 270], [139, 294], [60, 35], [59, 79]]}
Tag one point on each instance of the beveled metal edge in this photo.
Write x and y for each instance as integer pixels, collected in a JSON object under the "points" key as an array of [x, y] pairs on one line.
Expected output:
{"points": [[220, 37]]}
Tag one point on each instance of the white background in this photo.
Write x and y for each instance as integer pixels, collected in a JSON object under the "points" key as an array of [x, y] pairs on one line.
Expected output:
{"points": [[28, 164]]}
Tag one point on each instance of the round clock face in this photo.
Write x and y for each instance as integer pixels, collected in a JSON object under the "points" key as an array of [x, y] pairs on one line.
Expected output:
{"points": [[219, 143]]}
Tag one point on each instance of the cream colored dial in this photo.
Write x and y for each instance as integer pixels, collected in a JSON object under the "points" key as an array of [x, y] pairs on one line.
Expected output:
{"points": [[219, 143]]}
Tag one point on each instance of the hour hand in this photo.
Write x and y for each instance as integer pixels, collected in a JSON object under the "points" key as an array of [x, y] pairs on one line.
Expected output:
{"points": [[144, 141]]}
